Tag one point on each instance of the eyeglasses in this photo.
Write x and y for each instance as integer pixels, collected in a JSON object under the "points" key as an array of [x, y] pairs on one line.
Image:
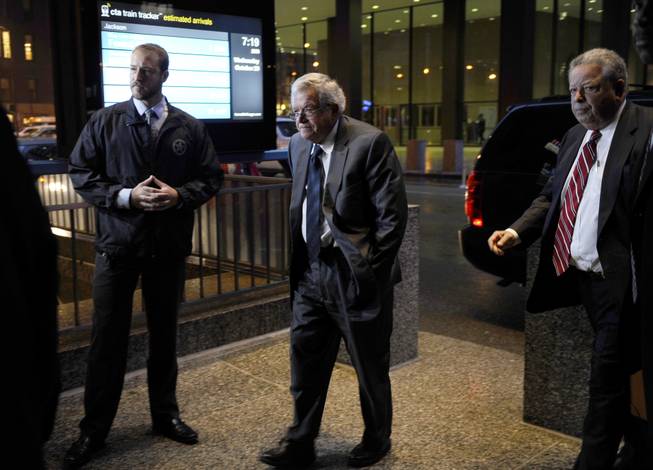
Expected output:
{"points": [[308, 111], [585, 90]]}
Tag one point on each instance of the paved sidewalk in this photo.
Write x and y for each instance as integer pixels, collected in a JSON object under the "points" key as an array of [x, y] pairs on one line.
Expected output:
{"points": [[457, 407]]}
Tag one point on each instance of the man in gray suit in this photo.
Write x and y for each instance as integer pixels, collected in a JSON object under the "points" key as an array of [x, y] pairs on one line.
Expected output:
{"points": [[348, 214], [583, 215]]}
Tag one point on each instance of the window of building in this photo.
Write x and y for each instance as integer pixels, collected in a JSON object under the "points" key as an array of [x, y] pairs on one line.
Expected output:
{"points": [[563, 29], [31, 87], [592, 29], [543, 51], [6, 44], [391, 72], [567, 43], [27, 98], [639, 74], [482, 45], [427, 70], [5, 89], [367, 23], [316, 47], [290, 62], [28, 48]]}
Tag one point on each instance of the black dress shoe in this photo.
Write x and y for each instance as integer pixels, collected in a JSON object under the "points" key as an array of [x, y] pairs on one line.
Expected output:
{"points": [[364, 454], [81, 451], [290, 454], [175, 429], [629, 457]]}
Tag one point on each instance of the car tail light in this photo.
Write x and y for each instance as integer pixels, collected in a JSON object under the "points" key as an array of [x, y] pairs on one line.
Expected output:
{"points": [[473, 200]]}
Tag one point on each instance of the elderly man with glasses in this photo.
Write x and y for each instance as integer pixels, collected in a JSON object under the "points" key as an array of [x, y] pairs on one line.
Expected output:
{"points": [[348, 214]]}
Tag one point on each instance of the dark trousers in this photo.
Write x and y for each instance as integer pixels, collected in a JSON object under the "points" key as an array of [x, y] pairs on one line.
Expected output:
{"points": [[646, 341], [615, 323], [318, 324], [115, 280]]}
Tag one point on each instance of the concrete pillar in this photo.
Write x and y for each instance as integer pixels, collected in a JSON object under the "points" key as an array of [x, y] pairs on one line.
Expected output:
{"points": [[345, 52], [67, 50], [516, 53], [453, 81], [403, 342]]}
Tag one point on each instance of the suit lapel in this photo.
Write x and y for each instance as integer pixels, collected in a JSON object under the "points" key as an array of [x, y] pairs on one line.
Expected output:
{"points": [[337, 165], [299, 184], [622, 143], [647, 174]]}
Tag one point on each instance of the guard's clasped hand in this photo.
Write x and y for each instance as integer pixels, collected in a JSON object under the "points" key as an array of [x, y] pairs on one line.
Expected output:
{"points": [[152, 194]]}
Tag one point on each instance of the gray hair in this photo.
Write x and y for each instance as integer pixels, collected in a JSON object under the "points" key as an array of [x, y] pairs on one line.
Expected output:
{"points": [[328, 90], [612, 65], [164, 61]]}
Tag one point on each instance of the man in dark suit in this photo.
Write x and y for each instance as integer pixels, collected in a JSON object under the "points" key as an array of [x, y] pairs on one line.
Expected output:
{"points": [[28, 287], [348, 214], [643, 232], [583, 215]]}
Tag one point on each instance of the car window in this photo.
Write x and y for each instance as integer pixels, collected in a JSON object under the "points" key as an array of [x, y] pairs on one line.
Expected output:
{"points": [[48, 133], [287, 128], [518, 143]]}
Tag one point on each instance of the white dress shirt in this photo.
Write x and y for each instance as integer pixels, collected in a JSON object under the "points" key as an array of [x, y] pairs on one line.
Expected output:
{"points": [[584, 254], [325, 157], [161, 111]]}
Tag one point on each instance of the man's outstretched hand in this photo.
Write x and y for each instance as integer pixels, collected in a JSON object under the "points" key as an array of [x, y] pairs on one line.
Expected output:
{"points": [[152, 194], [502, 240]]}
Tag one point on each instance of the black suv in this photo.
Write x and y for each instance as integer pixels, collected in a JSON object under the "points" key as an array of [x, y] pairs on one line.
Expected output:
{"points": [[509, 173]]}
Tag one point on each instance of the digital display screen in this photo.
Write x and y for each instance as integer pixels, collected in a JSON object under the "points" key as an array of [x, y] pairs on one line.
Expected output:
{"points": [[216, 65]]}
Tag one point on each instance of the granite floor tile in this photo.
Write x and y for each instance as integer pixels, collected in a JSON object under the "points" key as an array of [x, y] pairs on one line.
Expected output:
{"points": [[458, 407], [559, 456], [270, 362]]}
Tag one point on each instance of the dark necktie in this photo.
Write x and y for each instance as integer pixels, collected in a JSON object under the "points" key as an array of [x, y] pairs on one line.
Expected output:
{"points": [[314, 204], [150, 116], [569, 206]]}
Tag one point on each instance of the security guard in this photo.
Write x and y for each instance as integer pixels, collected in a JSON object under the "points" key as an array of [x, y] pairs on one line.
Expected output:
{"points": [[145, 166]]}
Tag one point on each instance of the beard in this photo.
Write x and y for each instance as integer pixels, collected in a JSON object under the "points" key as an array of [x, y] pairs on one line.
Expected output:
{"points": [[141, 92]]}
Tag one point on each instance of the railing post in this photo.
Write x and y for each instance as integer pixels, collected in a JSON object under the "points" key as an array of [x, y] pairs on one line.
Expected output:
{"points": [[73, 256], [218, 231], [236, 226], [251, 242], [266, 221]]}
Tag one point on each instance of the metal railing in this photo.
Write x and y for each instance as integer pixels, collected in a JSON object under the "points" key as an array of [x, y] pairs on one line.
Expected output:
{"points": [[240, 243]]}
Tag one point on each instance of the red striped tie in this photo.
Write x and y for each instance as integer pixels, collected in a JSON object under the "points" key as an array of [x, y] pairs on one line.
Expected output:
{"points": [[569, 207]]}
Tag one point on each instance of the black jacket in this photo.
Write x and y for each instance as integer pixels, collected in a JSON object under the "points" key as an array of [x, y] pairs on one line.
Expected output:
{"points": [[618, 190], [28, 286], [643, 246], [115, 151]]}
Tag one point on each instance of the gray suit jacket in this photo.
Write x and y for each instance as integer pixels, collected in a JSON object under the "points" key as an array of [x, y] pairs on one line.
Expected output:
{"points": [[618, 191], [365, 205]]}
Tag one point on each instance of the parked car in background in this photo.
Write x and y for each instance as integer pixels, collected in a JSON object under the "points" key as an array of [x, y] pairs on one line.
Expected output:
{"points": [[285, 129], [43, 131], [38, 148], [510, 171]]}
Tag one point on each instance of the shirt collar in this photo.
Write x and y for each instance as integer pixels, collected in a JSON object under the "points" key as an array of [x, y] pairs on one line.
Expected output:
{"points": [[330, 141], [157, 108]]}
